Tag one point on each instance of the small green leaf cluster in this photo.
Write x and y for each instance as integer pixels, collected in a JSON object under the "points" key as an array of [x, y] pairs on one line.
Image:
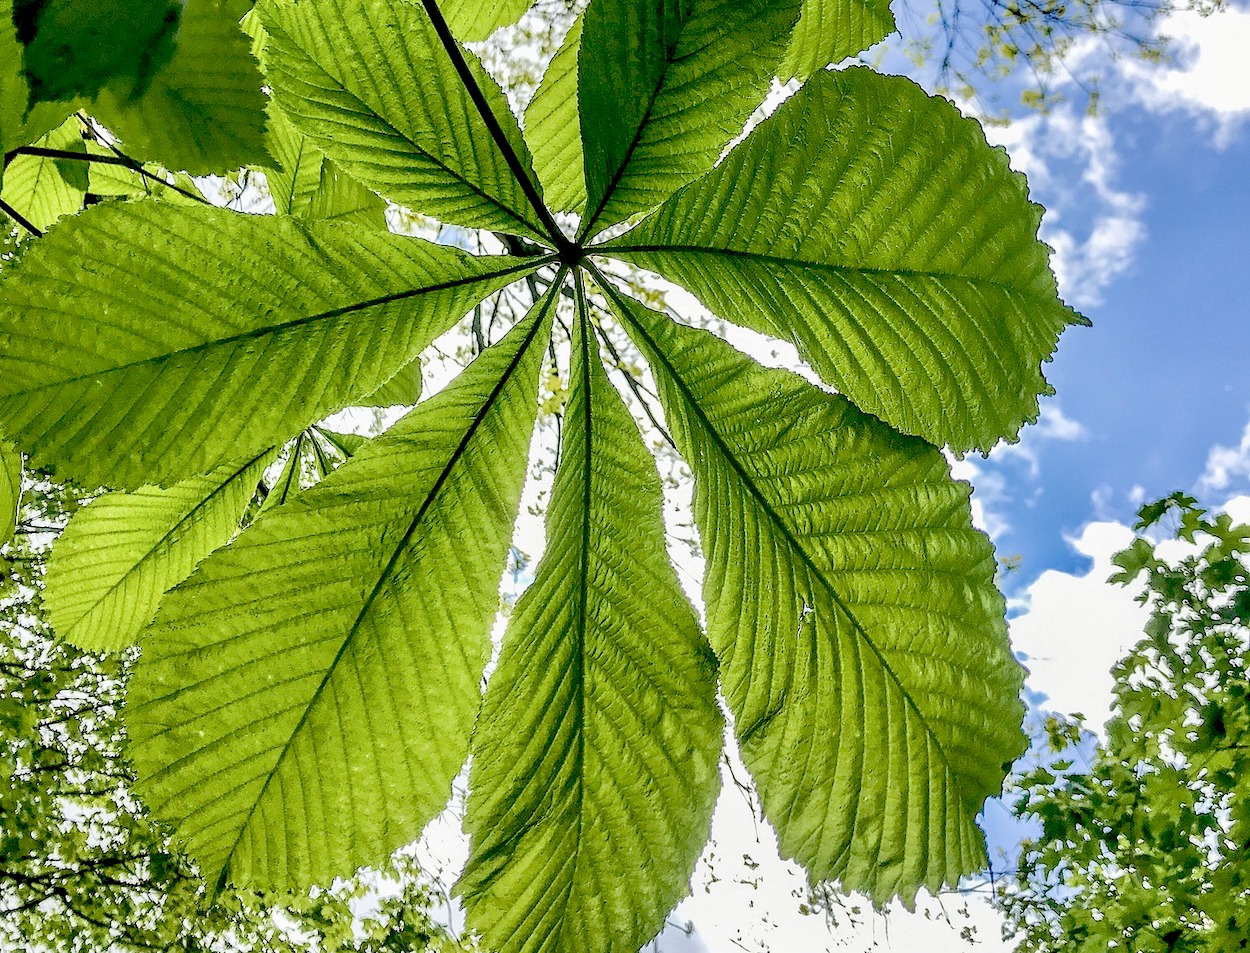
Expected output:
{"points": [[1142, 847], [309, 688]]}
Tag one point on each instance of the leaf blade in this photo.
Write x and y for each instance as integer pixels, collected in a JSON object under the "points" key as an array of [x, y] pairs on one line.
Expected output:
{"points": [[663, 88], [599, 736], [889, 243], [122, 552], [374, 589], [209, 354], [371, 83], [876, 733], [10, 491]]}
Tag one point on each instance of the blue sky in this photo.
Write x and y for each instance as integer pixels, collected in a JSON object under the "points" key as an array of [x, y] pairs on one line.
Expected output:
{"points": [[1152, 209]]}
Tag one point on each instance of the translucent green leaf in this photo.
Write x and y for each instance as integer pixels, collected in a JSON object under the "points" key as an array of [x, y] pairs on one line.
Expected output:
{"points": [[287, 486], [829, 31], [872, 226], [663, 88], [204, 111], [553, 128], [143, 343], [43, 190], [862, 643], [10, 491], [474, 20], [372, 84], [403, 388], [307, 185], [13, 90], [122, 552], [305, 699], [594, 762]]}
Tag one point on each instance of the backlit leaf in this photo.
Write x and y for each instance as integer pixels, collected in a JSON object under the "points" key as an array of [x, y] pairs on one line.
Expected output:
{"points": [[872, 226], [594, 766], [829, 31], [10, 491], [204, 110], [862, 643], [122, 552], [372, 84], [42, 189], [305, 699], [663, 88], [146, 343]]}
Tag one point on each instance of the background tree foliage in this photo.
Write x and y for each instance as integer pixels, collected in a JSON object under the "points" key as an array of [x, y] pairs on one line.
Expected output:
{"points": [[309, 681], [1143, 842]]}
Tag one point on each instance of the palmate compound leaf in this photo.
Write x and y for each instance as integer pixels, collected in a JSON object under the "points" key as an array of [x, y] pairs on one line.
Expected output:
{"points": [[373, 84], [873, 227], [594, 762], [663, 87], [123, 551], [852, 606], [305, 699], [144, 343]]}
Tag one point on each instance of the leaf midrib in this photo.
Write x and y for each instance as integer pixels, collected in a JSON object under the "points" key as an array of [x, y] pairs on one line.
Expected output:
{"points": [[256, 333], [389, 568], [775, 260], [592, 220], [774, 518]]}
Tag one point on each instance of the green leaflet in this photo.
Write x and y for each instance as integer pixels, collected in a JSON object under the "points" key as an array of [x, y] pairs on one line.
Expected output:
{"points": [[204, 110], [13, 90], [305, 699], [403, 388], [121, 553], [287, 486], [146, 343], [594, 762], [553, 128], [852, 606], [372, 84], [43, 190], [307, 185], [10, 491], [474, 20], [829, 31], [663, 88], [873, 227]]}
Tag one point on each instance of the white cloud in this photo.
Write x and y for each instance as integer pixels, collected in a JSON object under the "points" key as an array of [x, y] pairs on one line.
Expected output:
{"points": [[1225, 464], [1212, 77], [1077, 627], [1087, 258]]}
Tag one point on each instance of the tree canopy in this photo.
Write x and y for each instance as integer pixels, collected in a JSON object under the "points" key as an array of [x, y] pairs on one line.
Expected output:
{"points": [[1141, 842], [308, 687]]}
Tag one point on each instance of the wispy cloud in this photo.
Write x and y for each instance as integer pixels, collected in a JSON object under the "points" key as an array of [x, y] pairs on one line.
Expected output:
{"points": [[1226, 464], [1098, 246]]}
